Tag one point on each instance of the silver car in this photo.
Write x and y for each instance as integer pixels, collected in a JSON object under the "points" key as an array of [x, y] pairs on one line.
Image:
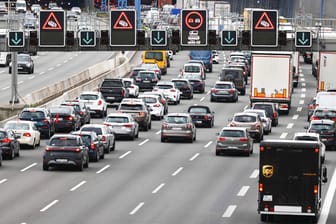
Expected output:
{"points": [[178, 126], [105, 133], [306, 136], [266, 121], [122, 125]]}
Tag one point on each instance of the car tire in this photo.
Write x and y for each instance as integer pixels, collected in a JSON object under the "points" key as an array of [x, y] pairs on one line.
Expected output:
{"points": [[33, 146], [102, 156], [137, 134], [12, 154], [80, 166], [163, 139], [243, 92], [86, 165], [212, 99], [96, 157], [39, 142], [45, 167], [10, 71], [145, 127], [112, 148]]}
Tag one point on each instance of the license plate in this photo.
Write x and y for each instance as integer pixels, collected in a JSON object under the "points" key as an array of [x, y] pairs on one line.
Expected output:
{"points": [[61, 160], [146, 81], [176, 128], [198, 122], [19, 67], [111, 97], [223, 92]]}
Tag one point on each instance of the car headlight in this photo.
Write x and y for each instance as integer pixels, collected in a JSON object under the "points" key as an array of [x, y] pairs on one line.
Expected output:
{"points": [[28, 64]]}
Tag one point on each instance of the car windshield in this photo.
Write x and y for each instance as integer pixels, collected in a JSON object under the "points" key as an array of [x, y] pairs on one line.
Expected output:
{"points": [[17, 126], [154, 55], [117, 119], [177, 119], [244, 118], [198, 110], [63, 141], [98, 131], [131, 107], [32, 115], [192, 68], [88, 97], [232, 133]]}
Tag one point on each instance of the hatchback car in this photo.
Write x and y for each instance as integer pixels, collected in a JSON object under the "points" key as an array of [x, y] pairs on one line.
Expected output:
{"points": [[155, 106], [224, 90], [25, 64], [122, 125], [196, 82], [105, 133], [327, 131], [94, 101], [9, 144], [65, 118], [65, 150], [92, 141], [152, 67], [169, 90], [26, 132], [146, 80], [234, 140], [266, 121], [162, 98], [178, 126], [306, 136], [251, 121], [81, 108], [271, 111], [42, 119], [202, 116], [235, 75], [185, 87]]}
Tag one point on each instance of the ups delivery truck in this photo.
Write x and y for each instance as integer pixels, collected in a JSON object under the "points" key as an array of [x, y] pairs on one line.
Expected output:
{"points": [[290, 179]]}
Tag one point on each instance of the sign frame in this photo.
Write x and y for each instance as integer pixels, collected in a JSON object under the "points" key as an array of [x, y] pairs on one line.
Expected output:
{"points": [[297, 40], [235, 38], [87, 32], [185, 14], [123, 12], [165, 42], [15, 32], [57, 23], [272, 30]]}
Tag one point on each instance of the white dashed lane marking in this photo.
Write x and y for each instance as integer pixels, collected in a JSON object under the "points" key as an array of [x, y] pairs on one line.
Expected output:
{"points": [[284, 135], [229, 211], [208, 144], [295, 117], [124, 155], [141, 143], [301, 102], [3, 181], [299, 109], [137, 208], [48, 206], [102, 169], [28, 167], [194, 157], [290, 125], [158, 188], [78, 185], [177, 171], [254, 174], [243, 191]]}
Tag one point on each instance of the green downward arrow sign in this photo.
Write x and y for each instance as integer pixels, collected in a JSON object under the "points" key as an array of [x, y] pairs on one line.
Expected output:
{"points": [[87, 40], [16, 40]]}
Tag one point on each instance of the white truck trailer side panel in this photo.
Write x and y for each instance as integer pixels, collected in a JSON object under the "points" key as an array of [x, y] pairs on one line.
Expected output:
{"points": [[327, 67]]}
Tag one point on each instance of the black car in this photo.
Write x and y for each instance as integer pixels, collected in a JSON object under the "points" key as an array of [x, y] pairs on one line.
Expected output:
{"points": [[65, 118], [271, 111], [9, 144], [323, 113], [327, 131], [94, 144], [185, 87], [25, 64], [146, 80], [42, 118], [196, 82], [202, 116], [66, 150], [134, 72], [81, 108]]}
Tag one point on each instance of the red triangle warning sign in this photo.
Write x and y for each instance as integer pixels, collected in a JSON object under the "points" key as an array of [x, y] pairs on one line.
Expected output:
{"points": [[51, 23], [264, 23], [123, 23]]}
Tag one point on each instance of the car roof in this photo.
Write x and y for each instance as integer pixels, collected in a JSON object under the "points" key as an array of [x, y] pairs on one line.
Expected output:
{"points": [[179, 79], [34, 109], [165, 83], [83, 132], [224, 82], [193, 64], [94, 125], [178, 114], [256, 110], [89, 92], [64, 135], [234, 128]]}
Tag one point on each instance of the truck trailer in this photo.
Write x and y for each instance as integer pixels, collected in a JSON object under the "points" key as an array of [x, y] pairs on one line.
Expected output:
{"points": [[290, 179], [326, 71], [272, 79]]}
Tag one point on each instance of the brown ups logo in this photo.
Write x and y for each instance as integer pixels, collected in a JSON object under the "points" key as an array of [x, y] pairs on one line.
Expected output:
{"points": [[267, 171]]}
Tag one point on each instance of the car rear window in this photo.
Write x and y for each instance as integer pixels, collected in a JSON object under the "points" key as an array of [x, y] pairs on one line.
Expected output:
{"points": [[148, 75], [180, 83], [245, 118], [223, 86], [149, 99], [321, 127], [232, 133], [267, 108], [17, 126], [112, 83], [2, 134], [131, 107], [231, 74], [154, 55], [63, 141], [98, 131], [164, 86], [192, 68], [306, 138], [325, 113], [198, 110], [32, 115], [117, 119], [88, 97], [177, 119]]}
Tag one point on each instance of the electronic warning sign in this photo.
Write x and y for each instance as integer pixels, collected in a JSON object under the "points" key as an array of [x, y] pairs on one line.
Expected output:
{"points": [[264, 28], [194, 27], [52, 28], [123, 28]]}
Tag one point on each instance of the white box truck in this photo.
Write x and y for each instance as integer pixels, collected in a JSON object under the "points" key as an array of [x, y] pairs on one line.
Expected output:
{"points": [[326, 71], [272, 79]]}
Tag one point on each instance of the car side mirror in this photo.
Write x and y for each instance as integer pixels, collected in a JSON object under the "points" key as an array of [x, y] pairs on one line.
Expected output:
{"points": [[217, 133], [324, 174], [305, 127]]}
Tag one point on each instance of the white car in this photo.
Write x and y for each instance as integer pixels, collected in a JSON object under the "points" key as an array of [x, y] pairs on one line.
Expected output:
{"points": [[307, 136], [122, 125], [94, 101], [133, 90], [193, 69], [156, 108], [26, 131], [266, 121], [169, 90]]}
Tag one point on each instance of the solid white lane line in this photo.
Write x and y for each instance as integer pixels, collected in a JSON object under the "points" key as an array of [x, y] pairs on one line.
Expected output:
{"points": [[78, 186], [2, 71], [125, 154], [31, 77], [102, 169], [3, 181], [202, 99], [194, 157], [158, 188], [284, 135], [301, 102], [243, 191], [137, 208], [177, 171], [208, 144], [158, 132], [303, 84], [290, 125], [28, 167], [7, 87], [302, 79], [141, 143], [48, 206], [254, 174], [303, 95], [303, 89], [299, 109], [229, 211], [328, 200], [295, 117]]}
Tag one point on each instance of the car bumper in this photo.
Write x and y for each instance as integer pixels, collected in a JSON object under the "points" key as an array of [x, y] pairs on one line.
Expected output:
{"points": [[222, 96], [26, 141], [177, 134], [232, 150], [62, 159]]}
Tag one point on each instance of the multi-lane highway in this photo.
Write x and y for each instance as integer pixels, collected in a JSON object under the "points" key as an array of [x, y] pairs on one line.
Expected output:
{"points": [[146, 181]]}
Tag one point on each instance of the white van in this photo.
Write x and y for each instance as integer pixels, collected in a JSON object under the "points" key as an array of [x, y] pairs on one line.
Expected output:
{"points": [[5, 58], [21, 6], [326, 99]]}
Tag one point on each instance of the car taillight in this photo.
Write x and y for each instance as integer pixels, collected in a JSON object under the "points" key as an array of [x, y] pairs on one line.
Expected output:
{"points": [[163, 101], [26, 134], [138, 79], [189, 126], [221, 139], [206, 117], [157, 71], [45, 121], [154, 80], [257, 125], [122, 92], [103, 138], [314, 118], [315, 189], [131, 86], [128, 125], [213, 90], [232, 124], [76, 149], [93, 146], [275, 114], [6, 140], [156, 105], [70, 118], [107, 124], [81, 113], [243, 139], [231, 91], [172, 90], [311, 107], [261, 187], [165, 125], [141, 114], [100, 102]]}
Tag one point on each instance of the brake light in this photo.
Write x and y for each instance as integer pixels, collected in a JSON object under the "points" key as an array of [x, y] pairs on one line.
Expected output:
{"points": [[122, 92], [26, 134], [100, 102], [315, 189], [275, 114], [213, 90], [163, 101], [243, 139], [221, 139], [70, 118], [77, 150], [93, 146], [189, 126], [261, 187], [103, 138], [81, 113], [314, 118], [128, 125], [6, 140], [316, 150], [172, 90], [231, 91], [156, 105], [165, 125], [138, 79], [45, 121], [157, 71], [131, 86], [232, 124], [154, 80], [206, 117], [142, 114], [107, 124], [261, 148]]}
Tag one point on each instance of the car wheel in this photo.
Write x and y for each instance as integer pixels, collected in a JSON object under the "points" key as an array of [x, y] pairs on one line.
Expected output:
{"points": [[145, 127], [102, 156], [163, 139], [150, 125], [39, 142], [102, 113], [33, 146], [45, 167], [113, 146], [96, 157], [11, 155], [86, 165], [137, 134], [10, 71], [80, 166]]}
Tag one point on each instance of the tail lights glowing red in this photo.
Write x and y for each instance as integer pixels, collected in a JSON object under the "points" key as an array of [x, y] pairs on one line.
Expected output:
{"points": [[156, 105], [173, 90], [141, 114], [128, 125], [315, 189], [206, 117], [243, 139], [100, 102], [103, 138], [26, 134], [93, 146], [221, 139], [316, 150], [189, 126], [231, 91], [262, 148], [275, 114], [6, 140], [213, 90], [261, 187]]}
